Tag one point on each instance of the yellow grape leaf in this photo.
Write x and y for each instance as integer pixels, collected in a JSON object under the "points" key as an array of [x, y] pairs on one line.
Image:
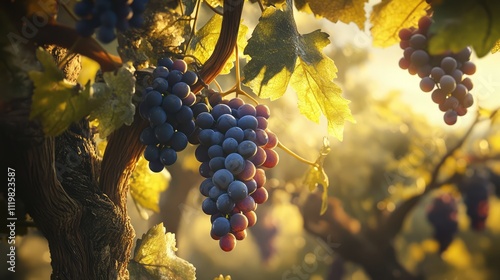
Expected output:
{"points": [[146, 186], [334, 10], [281, 56], [56, 102], [117, 92], [155, 258], [496, 48], [316, 175], [203, 43], [390, 16]]}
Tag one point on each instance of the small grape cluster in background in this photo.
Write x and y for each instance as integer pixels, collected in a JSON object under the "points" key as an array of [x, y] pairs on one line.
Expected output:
{"points": [[441, 74], [235, 144], [167, 106], [442, 214], [108, 15]]}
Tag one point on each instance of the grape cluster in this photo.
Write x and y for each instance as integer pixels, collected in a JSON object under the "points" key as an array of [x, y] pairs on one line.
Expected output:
{"points": [[167, 105], [442, 74], [475, 194], [106, 15], [442, 214], [235, 146]]}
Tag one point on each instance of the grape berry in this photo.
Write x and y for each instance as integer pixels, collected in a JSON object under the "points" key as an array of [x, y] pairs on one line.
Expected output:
{"points": [[440, 74]]}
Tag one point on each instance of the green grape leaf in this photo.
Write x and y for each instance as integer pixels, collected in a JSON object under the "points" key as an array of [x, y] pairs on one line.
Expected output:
{"points": [[189, 6], [334, 10], [117, 91], [281, 56], [56, 102], [458, 24], [316, 175], [155, 258], [390, 16], [146, 186], [203, 43]]}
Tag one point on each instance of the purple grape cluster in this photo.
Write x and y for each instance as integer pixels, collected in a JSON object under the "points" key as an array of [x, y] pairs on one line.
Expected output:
{"points": [[108, 15], [475, 195], [167, 105], [442, 74], [234, 146], [442, 214]]}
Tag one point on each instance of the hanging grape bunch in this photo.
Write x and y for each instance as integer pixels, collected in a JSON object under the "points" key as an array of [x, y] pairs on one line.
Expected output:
{"points": [[475, 195], [442, 74], [108, 15], [167, 106], [442, 214], [235, 146]]}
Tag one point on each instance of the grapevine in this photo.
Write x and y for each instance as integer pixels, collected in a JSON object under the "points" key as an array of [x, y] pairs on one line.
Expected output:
{"points": [[442, 74]]}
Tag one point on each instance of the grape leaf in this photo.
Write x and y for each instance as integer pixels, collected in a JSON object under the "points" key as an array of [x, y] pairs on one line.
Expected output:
{"points": [[203, 43], [390, 16], [458, 24], [281, 56], [117, 91], [221, 277], [154, 258], [56, 102], [344, 10], [316, 175], [146, 186], [215, 3]]}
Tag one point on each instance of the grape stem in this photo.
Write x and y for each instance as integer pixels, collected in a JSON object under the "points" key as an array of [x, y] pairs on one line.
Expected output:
{"points": [[237, 87], [261, 6], [296, 156], [195, 21]]}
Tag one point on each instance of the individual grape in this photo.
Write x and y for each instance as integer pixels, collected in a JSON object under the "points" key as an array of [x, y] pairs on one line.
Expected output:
{"points": [[201, 153], [156, 166], [168, 156], [248, 122], [252, 218], [164, 132], [185, 114], [236, 133], [208, 206], [262, 123], [262, 138], [247, 149], [221, 226], [235, 163], [206, 186], [219, 110], [240, 235], [237, 190], [161, 72], [272, 140], [260, 195], [259, 158], [187, 128], [225, 122], [424, 23], [230, 145], [199, 108], [190, 99], [418, 41], [251, 185], [205, 120], [405, 34], [216, 163], [180, 65], [179, 141], [181, 89], [260, 177], [205, 170], [222, 178], [165, 61], [225, 203], [460, 92], [468, 67], [448, 64], [451, 103], [263, 111], [247, 204], [461, 111], [248, 171], [215, 151], [160, 85], [419, 58], [439, 96], [238, 222], [217, 138], [174, 77], [450, 117], [272, 158], [468, 100], [467, 82], [215, 192], [437, 73], [171, 104], [442, 214], [447, 83], [424, 71], [457, 75], [427, 84], [190, 78], [236, 103], [227, 242], [151, 153], [404, 63]]}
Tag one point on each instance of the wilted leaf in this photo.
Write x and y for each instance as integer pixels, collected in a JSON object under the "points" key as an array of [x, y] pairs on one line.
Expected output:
{"points": [[316, 176], [155, 259], [118, 108], [203, 43], [146, 186], [390, 16], [334, 10], [57, 102], [281, 56], [458, 24]]}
